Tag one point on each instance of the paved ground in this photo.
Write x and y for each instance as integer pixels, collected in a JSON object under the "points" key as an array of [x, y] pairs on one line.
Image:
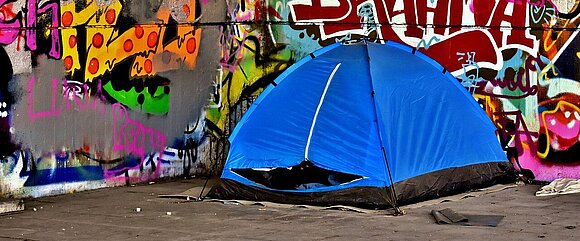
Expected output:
{"points": [[109, 214]]}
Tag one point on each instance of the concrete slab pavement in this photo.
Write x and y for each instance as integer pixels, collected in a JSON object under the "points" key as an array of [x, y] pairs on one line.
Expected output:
{"points": [[109, 214]]}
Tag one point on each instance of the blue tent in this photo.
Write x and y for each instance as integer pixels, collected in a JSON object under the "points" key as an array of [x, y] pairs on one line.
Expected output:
{"points": [[376, 124]]}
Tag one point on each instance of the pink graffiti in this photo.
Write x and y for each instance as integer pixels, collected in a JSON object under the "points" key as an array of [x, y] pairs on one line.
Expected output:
{"points": [[547, 171], [562, 125], [231, 50], [33, 12], [536, 3], [10, 28], [131, 136], [53, 112], [563, 128], [56, 106]]}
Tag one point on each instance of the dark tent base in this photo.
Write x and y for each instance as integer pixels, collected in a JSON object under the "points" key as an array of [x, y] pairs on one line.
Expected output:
{"points": [[428, 186]]}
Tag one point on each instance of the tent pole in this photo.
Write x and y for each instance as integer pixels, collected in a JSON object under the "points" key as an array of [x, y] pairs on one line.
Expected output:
{"points": [[398, 211]]}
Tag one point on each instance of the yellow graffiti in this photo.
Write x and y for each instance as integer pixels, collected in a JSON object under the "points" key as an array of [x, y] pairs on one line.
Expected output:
{"points": [[69, 19], [244, 72], [106, 46], [490, 107], [544, 73], [549, 43]]}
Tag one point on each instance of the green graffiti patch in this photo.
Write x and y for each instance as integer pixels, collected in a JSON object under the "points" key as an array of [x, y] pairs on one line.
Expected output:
{"points": [[156, 104]]}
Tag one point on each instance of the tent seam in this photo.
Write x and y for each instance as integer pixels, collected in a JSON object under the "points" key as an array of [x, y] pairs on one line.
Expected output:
{"points": [[388, 169], [322, 97]]}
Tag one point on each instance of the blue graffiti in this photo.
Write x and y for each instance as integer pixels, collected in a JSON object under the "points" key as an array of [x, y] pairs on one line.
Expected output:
{"points": [[366, 12], [64, 175], [539, 13], [38, 177], [427, 44], [469, 81], [164, 158]]}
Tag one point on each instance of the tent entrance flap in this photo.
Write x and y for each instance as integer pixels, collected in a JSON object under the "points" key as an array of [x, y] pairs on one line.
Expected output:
{"points": [[303, 176]]}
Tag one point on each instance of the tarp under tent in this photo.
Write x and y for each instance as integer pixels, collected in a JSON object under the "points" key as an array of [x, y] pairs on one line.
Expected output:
{"points": [[368, 125]]}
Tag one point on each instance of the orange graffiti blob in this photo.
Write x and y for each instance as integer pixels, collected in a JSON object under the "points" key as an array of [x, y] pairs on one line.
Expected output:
{"points": [[110, 16], [128, 45], [72, 41], [68, 62], [93, 66], [98, 40], [191, 45], [186, 9], [67, 19], [139, 31], [143, 44], [148, 66], [152, 40]]}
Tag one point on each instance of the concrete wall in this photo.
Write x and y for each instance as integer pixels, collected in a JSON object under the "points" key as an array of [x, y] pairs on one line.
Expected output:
{"points": [[99, 93], [107, 92]]}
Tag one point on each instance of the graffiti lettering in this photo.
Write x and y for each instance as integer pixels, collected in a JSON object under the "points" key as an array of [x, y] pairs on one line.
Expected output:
{"points": [[522, 82], [415, 17], [469, 81], [70, 95], [11, 24], [132, 136]]}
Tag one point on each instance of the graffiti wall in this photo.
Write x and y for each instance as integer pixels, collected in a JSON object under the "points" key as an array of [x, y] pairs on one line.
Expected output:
{"points": [[97, 93], [520, 59]]}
